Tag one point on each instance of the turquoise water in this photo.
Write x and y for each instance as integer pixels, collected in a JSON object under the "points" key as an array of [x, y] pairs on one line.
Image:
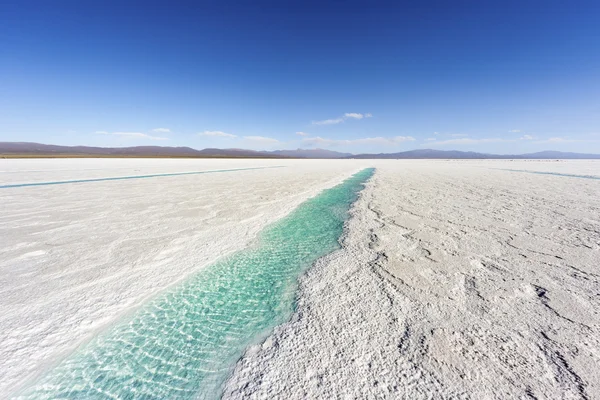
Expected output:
{"points": [[554, 173], [120, 178], [184, 343]]}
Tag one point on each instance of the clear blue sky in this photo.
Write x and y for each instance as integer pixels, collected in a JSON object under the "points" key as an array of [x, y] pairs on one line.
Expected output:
{"points": [[494, 76]]}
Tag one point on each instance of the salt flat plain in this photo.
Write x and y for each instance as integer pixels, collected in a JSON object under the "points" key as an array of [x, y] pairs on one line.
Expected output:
{"points": [[456, 279], [76, 257]]}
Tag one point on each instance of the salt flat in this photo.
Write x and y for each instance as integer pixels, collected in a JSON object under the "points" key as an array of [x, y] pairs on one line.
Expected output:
{"points": [[75, 257], [457, 279]]}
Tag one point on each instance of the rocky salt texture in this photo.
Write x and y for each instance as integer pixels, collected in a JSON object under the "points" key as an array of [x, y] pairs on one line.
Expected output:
{"points": [[75, 258], [456, 280]]}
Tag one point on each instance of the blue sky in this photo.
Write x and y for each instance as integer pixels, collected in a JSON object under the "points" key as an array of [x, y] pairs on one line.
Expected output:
{"points": [[501, 77]]}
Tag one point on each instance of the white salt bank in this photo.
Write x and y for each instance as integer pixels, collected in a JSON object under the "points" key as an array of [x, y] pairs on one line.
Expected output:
{"points": [[456, 279], [75, 257]]}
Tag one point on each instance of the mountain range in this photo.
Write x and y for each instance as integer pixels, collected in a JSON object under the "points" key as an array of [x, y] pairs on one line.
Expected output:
{"points": [[470, 155], [26, 149]]}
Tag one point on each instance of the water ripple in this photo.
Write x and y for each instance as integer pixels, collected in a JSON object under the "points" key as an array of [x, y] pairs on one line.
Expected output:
{"points": [[183, 344]]}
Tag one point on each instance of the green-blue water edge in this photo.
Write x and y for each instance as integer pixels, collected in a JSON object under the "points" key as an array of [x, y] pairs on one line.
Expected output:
{"points": [[183, 344]]}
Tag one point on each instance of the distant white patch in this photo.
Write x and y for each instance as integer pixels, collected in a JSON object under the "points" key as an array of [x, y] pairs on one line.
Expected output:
{"points": [[343, 118], [138, 135], [262, 139], [217, 134], [378, 140]]}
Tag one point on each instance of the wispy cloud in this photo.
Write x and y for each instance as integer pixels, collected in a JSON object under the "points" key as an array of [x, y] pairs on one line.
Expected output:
{"points": [[567, 139], [469, 141], [458, 135], [515, 131], [261, 139], [217, 134], [302, 134], [138, 135], [329, 121], [161, 130], [378, 140], [430, 139], [357, 115], [559, 140], [532, 139], [343, 118]]}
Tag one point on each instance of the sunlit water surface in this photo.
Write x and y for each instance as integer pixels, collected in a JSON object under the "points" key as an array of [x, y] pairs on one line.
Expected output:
{"points": [[184, 344], [553, 173]]}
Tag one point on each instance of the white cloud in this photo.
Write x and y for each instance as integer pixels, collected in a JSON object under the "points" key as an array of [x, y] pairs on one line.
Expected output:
{"points": [[261, 139], [459, 135], [302, 134], [398, 139], [435, 133], [567, 140], [473, 141], [357, 115], [329, 121], [430, 139], [515, 131], [217, 134], [343, 118], [558, 140], [470, 141], [161, 130], [319, 141], [139, 135]]}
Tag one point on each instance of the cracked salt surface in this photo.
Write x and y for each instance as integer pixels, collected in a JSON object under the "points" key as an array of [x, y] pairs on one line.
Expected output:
{"points": [[183, 344], [453, 282]]}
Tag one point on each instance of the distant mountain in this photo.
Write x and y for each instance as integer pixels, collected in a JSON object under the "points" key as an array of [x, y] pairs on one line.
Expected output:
{"points": [[49, 149], [37, 149], [548, 154], [470, 155], [427, 154], [33, 149], [311, 153], [233, 153]]}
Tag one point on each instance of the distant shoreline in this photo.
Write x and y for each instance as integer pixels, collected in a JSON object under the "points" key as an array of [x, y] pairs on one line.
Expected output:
{"points": [[39, 150], [12, 156], [259, 157]]}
